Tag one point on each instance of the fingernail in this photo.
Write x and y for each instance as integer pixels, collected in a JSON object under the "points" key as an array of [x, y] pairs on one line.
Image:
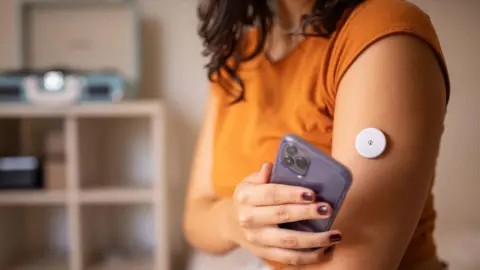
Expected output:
{"points": [[334, 238], [307, 196], [263, 166], [323, 210]]}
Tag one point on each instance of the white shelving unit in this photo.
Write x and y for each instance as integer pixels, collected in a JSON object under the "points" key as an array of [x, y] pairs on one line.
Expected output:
{"points": [[111, 213]]}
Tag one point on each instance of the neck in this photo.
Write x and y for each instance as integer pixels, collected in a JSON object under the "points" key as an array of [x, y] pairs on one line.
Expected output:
{"points": [[289, 12]]}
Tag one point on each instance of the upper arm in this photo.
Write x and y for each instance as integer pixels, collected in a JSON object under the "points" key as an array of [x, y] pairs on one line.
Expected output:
{"points": [[200, 183], [397, 86]]}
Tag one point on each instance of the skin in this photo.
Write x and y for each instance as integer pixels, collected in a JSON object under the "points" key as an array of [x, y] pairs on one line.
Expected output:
{"points": [[406, 101], [279, 43]]}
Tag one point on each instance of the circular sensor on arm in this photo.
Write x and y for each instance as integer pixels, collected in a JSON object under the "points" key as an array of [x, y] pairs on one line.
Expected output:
{"points": [[371, 143]]}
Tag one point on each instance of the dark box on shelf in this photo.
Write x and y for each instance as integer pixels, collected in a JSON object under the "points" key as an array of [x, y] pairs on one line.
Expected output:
{"points": [[21, 172]]}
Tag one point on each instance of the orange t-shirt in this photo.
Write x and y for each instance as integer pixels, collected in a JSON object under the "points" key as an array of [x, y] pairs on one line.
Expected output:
{"points": [[297, 95]]}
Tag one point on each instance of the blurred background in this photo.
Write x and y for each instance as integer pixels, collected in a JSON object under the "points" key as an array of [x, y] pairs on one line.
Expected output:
{"points": [[114, 171]]}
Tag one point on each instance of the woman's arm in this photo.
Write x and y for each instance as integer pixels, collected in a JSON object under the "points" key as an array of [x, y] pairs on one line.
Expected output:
{"points": [[205, 214], [396, 86]]}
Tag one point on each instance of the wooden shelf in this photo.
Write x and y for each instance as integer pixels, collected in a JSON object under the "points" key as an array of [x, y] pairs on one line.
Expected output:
{"points": [[111, 179], [94, 196], [33, 237], [96, 110], [116, 196], [42, 264], [145, 264], [32, 197]]}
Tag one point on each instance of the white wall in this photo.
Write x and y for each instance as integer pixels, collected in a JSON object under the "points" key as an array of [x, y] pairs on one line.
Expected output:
{"points": [[174, 71]]}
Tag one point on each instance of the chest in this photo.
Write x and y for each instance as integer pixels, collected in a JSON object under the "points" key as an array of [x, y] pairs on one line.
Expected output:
{"points": [[289, 96]]}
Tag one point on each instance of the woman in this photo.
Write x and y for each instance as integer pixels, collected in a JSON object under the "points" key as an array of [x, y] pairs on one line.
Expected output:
{"points": [[324, 70]]}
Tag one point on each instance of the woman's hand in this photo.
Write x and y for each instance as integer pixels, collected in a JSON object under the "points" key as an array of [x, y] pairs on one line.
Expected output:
{"points": [[260, 207]]}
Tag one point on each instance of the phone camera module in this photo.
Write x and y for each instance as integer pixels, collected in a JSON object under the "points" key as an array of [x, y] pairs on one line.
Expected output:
{"points": [[288, 161], [292, 150], [301, 162]]}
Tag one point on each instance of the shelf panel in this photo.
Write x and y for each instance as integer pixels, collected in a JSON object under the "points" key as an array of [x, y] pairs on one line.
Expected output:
{"points": [[34, 237], [123, 153], [32, 197], [118, 236], [94, 196], [101, 109], [146, 264], [42, 264], [116, 196]]}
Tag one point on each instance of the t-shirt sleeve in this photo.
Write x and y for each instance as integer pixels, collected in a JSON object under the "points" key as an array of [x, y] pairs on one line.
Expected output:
{"points": [[372, 21]]}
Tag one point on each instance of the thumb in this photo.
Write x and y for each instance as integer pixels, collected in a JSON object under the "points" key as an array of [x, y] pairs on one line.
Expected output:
{"points": [[263, 177]]}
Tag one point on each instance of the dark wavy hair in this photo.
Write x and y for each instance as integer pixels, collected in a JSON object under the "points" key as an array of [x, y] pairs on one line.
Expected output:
{"points": [[223, 23]]}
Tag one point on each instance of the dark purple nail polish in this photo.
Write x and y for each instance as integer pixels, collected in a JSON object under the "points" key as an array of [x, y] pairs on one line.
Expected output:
{"points": [[323, 210], [307, 196], [335, 238]]}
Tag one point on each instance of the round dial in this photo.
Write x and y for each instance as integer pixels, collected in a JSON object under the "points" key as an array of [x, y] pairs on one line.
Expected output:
{"points": [[53, 81]]}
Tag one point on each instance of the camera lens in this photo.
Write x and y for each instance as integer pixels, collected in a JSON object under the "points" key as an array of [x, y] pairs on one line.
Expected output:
{"points": [[302, 162], [288, 161], [292, 150]]}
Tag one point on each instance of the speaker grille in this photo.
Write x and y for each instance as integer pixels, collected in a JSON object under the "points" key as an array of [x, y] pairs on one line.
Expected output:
{"points": [[10, 92], [98, 91]]}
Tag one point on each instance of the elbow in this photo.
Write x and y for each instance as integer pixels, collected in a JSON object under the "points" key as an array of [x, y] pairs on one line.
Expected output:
{"points": [[215, 252], [195, 239], [190, 234], [195, 242]]}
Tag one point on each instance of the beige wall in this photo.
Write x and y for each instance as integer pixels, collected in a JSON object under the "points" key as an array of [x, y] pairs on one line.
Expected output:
{"points": [[173, 70], [457, 188]]}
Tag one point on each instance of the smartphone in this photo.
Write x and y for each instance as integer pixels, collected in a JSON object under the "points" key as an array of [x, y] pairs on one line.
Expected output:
{"points": [[298, 163]]}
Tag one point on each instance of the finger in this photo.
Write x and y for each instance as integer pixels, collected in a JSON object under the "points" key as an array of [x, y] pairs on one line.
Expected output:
{"points": [[274, 194], [251, 217], [288, 239], [263, 176], [287, 257]]}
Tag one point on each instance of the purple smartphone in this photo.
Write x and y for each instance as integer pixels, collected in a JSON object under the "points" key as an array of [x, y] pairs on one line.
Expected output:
{"points": [[298, 163]]}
